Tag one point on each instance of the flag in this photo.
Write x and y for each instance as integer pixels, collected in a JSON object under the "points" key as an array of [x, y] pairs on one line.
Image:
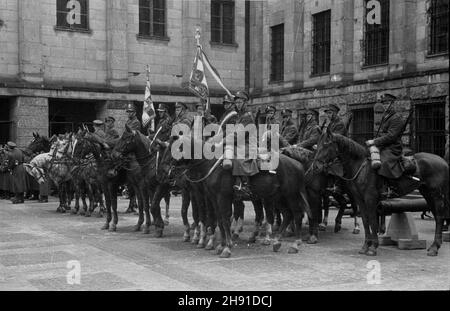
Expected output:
{"points": [[214, 72], [148, 113], [197, 80]]}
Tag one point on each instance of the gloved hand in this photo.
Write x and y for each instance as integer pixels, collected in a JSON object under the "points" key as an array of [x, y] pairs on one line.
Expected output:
{"points": [[370, 142]]}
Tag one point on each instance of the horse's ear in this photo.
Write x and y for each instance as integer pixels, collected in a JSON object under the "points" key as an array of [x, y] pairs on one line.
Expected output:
{"points": [[52, 139], [127, 128]]}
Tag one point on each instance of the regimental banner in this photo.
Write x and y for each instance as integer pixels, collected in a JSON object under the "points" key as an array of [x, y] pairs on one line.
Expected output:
{"points": [[197, 80]]}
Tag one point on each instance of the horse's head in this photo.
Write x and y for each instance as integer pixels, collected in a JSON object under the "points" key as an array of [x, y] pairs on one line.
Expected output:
{"points": [[126, 144], [35, 167], [39, 143], [327, 151], [61, 145]]}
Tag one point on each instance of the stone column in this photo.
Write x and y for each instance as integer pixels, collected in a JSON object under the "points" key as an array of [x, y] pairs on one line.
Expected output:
{"points": [[256, 46], [402, 37], [29, 114], [30, 49], [342, 33], [116, 44], [298, 51]]}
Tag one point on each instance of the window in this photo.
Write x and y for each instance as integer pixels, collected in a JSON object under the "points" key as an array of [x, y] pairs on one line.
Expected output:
{"points": [[277, 53], [222, 21], [376, 38], [430, 127], [72, 15], [152, 18], [438, 26], [321, 43], [362, 125]]}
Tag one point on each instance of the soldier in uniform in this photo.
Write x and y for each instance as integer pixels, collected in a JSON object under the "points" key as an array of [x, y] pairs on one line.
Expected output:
{"points": [[99, 135], [311, 133], [4, 174], [110, 133], [18, 173], [289, 133], [389, 140], [182, 115], [270, 116], [163, 127], [228, 105], [242, 168], [335, 125], [133, 121]]}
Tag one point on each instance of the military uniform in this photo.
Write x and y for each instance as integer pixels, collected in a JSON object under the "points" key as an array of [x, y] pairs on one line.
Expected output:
{"points": [[289, 132], [163, 128], [337, 126], [5, 177], [185, 117], [134, 124], [18, 174], [390, 145], [310, 135]]}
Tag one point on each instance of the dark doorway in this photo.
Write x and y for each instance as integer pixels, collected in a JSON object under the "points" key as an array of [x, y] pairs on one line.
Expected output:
{"points": [[5, 122], [68, 115]]}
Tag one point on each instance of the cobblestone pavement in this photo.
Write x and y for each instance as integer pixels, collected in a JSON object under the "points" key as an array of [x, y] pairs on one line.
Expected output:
{"points": [[36, 245]]}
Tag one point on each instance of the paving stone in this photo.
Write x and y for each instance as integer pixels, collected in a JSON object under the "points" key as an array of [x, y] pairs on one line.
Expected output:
{"points": [[35, 258]]}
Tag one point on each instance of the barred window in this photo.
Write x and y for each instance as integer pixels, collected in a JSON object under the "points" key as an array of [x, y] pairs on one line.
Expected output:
{"points": [[438, 26], [321, 43], [376, 38], [362, 125], [430, 127], [222, 21], [277, 53], [152, 18], [72, 15]]}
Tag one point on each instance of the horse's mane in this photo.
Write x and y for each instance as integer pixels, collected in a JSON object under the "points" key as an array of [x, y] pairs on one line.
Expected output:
{"points": [[350, 147]]}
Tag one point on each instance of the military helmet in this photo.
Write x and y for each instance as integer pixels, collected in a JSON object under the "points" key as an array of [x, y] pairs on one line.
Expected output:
{"points": [[332, 107], [162, 107], [131, 108], [242, 94], [98, 122], [228, 99], [11, 144], [271, 108]]}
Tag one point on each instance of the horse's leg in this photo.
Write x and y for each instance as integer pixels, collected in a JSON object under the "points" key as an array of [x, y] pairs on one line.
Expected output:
{"points": [[354, 206], [211, 222], [269, 209], [147, 195], [225, 202], [238, 216], [326, 209], [185, 201], [107, 192], [277, 218], [287, 218], [259, 217], [160, 191], [83, 200], [167, 201], [196, 218], [315, 201], [90, 194], [435, 200], [76, 206], [202, 212], [298, 218], [113, 195]]}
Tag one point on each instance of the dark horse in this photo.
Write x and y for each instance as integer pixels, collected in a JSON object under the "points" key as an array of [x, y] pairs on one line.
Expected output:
{"points": [[142, 176], [286, 187], [364, 183]]}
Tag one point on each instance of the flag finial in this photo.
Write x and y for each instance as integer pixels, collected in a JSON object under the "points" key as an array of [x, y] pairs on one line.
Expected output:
{"points": [[197, 35]]}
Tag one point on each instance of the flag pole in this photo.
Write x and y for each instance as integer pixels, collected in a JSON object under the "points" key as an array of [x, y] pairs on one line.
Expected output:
{"points": [[199, 46]]}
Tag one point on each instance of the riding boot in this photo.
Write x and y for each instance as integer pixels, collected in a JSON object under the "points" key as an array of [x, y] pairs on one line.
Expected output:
{"points": [[18, 199]]}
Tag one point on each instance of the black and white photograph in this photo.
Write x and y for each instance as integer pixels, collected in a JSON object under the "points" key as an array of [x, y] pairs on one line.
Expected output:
{"points": [[243, 147]]}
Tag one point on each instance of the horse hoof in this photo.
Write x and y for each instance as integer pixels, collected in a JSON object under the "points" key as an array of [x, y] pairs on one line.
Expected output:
{"points": [[432, 252], [219, 249], [137, 228], [195, 241], [147, 230], [252, 239], [322, 227], [312, 240], [356, 231], [74, 212], [113, 228], [158, 233], [337, 228], [186, 237], [371, 252], [201, 245], [266, 241], [363, 250], [99, 215], [293, 250], [105, 227], [226, 253], [276, 246], [87, 215], [67, 208]]}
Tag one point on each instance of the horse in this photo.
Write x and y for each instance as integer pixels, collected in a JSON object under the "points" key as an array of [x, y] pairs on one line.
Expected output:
{"points": [[364, 184], [86, 176], [142, 176], [286, 187], [56, 166]]}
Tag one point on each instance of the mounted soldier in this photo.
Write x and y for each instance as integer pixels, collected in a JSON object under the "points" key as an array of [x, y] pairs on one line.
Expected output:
{"points": [[241, 168], [111, 133], [182, 115], [289, 133], [388, 139], [99, 135], [133, 122], [311, 133], [270, 116], [229, 106], [335, 125], [163, 127], [18, 173]]}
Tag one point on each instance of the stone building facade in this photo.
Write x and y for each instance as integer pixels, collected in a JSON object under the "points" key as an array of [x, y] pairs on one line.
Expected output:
{"points": [[52, 77], [418, 77]]}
